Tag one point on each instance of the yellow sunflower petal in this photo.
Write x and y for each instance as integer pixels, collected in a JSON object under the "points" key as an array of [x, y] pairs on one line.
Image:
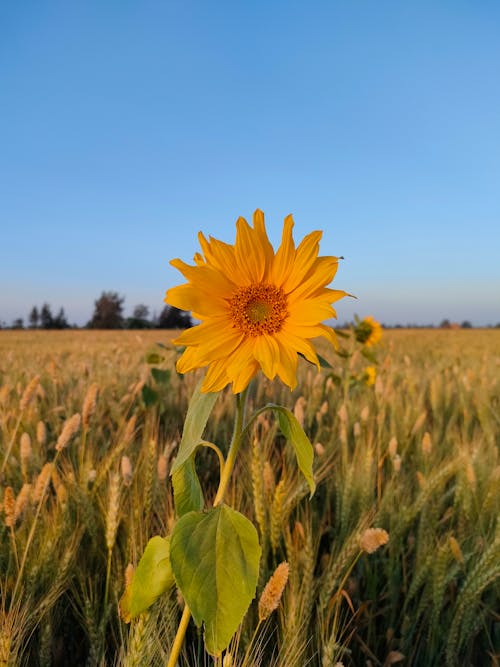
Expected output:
{"points": [[216, 377], [299, 344], [266, 351], [310, 311], [187, 297], [321, 273], [218, 254], [285, 255], [328, 333], [213, 339], [287, 365], [242, 357], [249, 253], [247, 373], [260, 231], [205, 277], [305, 256], [336, 294], [188, 361]]}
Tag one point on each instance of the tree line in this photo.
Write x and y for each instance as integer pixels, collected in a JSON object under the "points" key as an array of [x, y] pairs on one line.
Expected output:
{"points": [[108, 314]]}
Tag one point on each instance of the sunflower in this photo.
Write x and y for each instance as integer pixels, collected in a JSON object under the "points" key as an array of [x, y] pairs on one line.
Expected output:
{"points": [[368, 331], [370, 375], [259, 309]]}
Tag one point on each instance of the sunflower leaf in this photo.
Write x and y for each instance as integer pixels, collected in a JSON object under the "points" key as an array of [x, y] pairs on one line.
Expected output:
{"points": [[215, 560], [188, 495], [200, 407], [151, 579], [301, 444]]}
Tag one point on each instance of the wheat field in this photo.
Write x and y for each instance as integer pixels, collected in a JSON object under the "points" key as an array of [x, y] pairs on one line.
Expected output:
{"points": [[89, 424]]}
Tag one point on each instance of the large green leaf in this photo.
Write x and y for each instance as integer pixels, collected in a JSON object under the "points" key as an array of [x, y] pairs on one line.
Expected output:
{"points": [[200, 407], [301, 444], [188, 495], [215, 560], [152, 578]]}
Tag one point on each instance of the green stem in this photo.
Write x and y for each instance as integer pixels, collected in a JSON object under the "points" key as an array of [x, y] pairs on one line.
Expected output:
{"points": [[210, 445], [179, 637], [225, 477], [233, 448]]}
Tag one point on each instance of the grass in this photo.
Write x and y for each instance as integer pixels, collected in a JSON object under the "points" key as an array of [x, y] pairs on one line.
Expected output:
{"points": [[417, 454]]}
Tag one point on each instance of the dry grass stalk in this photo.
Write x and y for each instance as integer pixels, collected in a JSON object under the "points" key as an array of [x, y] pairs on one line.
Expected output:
{"points": [[89, 404], [41, 482], [126, 470], [59, 487], [319, 449], [129, 574], [342, 413], [427, 443], [25, 454], [112, 518], [9, 506], [277, 514], [419, 422], [396, 463], [271, 595], [456, 550], [129, 432], [41, 433], [162, 468], [365, 413], [258, 485], [70, 429], [29, 393], [393, 447], [373, 538], [268, 479], [4, 394], [22, 501], [299, 410]]}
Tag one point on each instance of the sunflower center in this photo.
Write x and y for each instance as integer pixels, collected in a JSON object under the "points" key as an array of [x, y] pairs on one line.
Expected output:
{"points": [[258, 309]]}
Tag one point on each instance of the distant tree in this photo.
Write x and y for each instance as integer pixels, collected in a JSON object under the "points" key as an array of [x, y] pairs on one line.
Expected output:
{"points": [[174, 318], [466, 324], [18, 323], [445, 324], [46, 319], [141, 312], [60, 321], [108, 312], [139, 319], [34, 317]]}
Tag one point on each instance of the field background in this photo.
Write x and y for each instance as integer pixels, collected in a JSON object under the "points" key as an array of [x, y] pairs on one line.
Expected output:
{"points": [[417, 454]]}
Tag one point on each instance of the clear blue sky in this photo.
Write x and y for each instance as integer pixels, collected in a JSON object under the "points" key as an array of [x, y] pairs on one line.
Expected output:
{"points": [[126, 127]]}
